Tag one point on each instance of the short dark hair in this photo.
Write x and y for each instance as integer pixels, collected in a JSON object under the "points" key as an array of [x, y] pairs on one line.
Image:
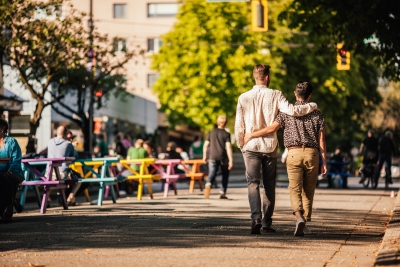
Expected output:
{"points": [[260, 71], [4, 123], [304, 89]]}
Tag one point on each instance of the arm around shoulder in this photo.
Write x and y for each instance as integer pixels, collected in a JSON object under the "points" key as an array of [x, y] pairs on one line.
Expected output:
{"points": [[292, 110]]}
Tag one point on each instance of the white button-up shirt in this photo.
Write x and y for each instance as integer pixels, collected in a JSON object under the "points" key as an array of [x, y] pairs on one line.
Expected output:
{"points": [[258, 108]]}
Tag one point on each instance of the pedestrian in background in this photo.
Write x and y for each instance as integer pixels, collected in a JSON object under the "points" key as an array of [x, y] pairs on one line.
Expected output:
{"points": [[126, 141], [220, 156], [257, 109], [370, 155], [387, 150], [120, 148], [102, 147], [196, 148]]}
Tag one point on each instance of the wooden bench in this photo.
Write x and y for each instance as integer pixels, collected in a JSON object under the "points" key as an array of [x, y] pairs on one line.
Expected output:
{"points": [[192, 168], [142, 175]]}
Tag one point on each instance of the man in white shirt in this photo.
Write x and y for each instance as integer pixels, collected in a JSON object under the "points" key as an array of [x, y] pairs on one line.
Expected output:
{"points": [[256, 109]]}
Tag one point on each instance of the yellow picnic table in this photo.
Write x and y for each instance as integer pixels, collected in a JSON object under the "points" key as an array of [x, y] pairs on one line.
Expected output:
{"points": [[142, 175]]}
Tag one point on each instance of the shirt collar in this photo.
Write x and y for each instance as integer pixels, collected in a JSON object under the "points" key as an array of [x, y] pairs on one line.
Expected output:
{"points": [[260, 86]]}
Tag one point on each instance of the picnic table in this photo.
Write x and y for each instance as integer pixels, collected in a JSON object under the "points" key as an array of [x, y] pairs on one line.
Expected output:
{"points": [[103, 177], [46, 180], [192, 168], [166, 167], [142, 175]]}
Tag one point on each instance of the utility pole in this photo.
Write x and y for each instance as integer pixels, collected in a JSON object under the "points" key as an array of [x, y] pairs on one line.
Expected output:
{"points": [[91, 87]]}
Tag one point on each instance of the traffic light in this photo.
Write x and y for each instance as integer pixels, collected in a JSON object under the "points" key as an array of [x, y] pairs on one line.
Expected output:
{"points": [[343, 58], [98, 94], [259, 16]]}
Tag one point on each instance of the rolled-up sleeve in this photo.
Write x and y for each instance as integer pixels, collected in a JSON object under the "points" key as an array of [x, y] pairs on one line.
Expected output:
{"points": [[239, 125], [299, 110]]}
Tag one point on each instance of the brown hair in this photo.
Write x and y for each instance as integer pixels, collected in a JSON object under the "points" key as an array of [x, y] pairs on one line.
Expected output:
{"points": [[304, 89], [260, 71]]}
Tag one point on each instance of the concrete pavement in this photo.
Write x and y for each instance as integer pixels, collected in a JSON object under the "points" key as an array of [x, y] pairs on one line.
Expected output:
{"points": [[187, 230]]}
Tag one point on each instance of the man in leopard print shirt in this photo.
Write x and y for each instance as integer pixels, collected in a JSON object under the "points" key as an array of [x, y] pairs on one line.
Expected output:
{"points": [[305, 139]]}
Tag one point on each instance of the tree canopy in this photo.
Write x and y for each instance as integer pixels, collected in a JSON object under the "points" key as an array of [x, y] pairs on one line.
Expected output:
{"points": [[207, 59], [366, 27], [49, 46]]}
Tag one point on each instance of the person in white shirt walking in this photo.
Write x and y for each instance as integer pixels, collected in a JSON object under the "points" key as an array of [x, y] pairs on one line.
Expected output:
{"points": [[257, 109]]}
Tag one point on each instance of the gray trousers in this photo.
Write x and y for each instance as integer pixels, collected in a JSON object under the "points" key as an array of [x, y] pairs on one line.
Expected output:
{"points": [[261, 165]]}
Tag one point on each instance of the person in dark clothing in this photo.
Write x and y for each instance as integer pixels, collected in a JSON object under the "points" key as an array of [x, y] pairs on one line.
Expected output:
{"points": [[220, 155], [387, 150], [335, 168], [370, 156], [119, 147], [172, 154]]}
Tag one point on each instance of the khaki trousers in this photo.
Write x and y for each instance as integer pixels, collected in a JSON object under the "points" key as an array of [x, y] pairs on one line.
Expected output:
{"points": [[302, 167]]}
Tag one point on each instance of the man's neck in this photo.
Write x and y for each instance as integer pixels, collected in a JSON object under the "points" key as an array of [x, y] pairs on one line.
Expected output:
{"points": [[261, 83], [301, 100]]}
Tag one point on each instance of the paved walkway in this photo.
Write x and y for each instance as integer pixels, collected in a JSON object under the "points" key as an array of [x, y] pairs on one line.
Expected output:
{"points": [[187, 230]]}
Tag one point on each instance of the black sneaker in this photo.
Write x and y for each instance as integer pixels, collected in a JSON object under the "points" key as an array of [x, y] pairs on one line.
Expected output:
{"points": [[17, 206], [255, 227], [223, 197]]}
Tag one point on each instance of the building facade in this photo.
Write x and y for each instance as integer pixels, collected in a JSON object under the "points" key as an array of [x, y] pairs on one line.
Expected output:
{"points": [[134, 25]]}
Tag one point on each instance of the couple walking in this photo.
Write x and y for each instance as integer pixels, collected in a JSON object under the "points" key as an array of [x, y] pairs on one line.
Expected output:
{"points": [[260, 113]]}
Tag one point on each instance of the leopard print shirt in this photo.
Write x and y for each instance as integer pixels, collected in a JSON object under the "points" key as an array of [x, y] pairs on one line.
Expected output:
{"points": [[299, 131]]}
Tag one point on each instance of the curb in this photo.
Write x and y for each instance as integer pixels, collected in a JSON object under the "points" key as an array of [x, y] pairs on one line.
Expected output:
{"points": [[389, 252]]}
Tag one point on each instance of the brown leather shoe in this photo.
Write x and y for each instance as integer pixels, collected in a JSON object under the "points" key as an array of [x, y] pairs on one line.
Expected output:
{"points": [[269, 229], [255, 227]]}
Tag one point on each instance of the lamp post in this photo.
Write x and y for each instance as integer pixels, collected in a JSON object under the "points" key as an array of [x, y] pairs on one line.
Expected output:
{"points": [[91, 87]]}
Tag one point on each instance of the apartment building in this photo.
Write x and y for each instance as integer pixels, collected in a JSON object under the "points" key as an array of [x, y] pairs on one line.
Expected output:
{"points": [[131, 24]]}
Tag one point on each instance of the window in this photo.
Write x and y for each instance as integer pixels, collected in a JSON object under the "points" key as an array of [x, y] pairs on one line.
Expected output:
{"points": [[119, 44], [119, 11], [151, 79], [154, 44], [162, 10]]}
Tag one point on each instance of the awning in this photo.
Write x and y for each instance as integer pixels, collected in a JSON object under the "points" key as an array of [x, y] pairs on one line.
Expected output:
{"points": [[10, 101]]}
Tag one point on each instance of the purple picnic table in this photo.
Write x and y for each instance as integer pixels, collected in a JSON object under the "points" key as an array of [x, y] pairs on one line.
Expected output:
{"points": [[46, 179], [169, 174]]}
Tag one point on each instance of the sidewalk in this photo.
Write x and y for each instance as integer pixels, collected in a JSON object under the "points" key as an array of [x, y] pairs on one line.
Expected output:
{"points": [[389, 253], [188, 230]]}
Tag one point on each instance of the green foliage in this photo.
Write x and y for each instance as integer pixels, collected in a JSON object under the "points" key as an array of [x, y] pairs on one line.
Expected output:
{"points": [[208, 57], [206, 62], [352, 22]]}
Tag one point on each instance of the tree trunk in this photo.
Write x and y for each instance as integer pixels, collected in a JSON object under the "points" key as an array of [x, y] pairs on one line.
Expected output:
{"points": [[86, 135], [33, 125]]}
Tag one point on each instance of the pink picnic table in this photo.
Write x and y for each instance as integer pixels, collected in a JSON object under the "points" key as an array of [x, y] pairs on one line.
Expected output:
{"points": [[168, 174], [46, 179]]}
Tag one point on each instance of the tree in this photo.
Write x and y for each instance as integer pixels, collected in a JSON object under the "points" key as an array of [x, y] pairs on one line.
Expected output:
{"points": [[208, 57], [39, 41], [207, 61], [369, 28], [49, 49]]}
